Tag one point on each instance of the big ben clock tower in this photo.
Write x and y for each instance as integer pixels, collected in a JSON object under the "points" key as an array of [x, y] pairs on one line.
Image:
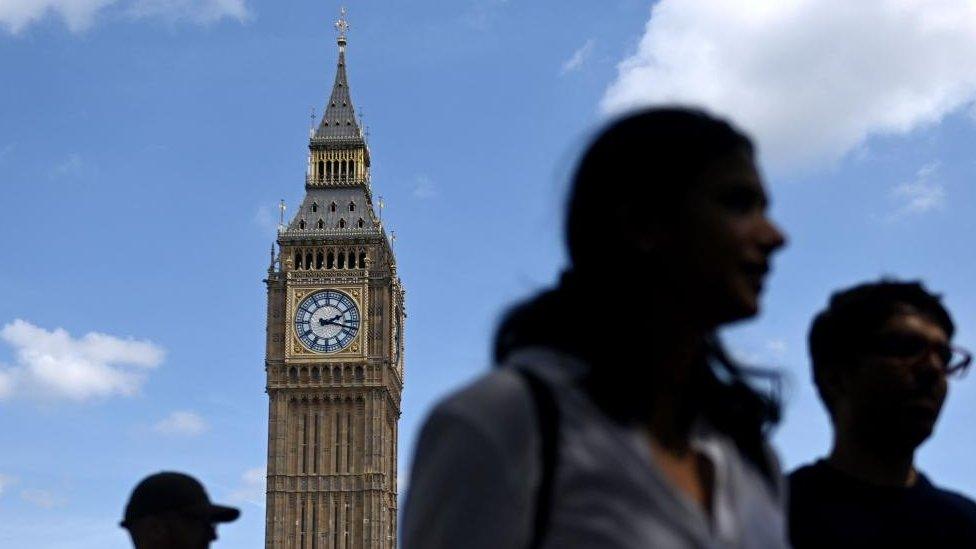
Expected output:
{"points": [[334, 357]]}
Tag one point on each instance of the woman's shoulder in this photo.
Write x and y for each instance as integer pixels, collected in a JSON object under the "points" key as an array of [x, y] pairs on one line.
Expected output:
{"points": [[499, 403], [499, 396], [474, 467], [745, 476]]}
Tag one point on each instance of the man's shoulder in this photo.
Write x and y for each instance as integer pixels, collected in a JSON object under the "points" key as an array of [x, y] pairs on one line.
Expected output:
{"points": [[814, 486], [811, 473], [961, 505]]}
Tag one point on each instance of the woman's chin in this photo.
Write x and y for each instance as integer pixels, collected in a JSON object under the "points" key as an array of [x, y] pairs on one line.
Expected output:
{"points": [[744, 307]]}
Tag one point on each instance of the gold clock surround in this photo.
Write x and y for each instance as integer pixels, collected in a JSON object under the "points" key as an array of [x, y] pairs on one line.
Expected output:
{"points": [[297, 352]]}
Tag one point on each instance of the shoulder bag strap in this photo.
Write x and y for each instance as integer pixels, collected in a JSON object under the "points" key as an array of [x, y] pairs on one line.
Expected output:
{"points": [[547, 415]]}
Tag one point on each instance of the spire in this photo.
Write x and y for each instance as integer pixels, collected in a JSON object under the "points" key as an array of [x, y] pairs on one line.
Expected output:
{"points": [[339, 121]]}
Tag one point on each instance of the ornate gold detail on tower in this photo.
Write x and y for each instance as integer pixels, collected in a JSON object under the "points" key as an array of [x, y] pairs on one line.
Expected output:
{"points": [[342, 26]]}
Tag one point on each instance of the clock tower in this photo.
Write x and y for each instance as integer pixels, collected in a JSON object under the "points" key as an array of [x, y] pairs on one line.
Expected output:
{"points": [[334, 356]]}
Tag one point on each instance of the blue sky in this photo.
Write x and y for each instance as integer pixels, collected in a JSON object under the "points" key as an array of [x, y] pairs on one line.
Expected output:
{"points": [[144, 145]]}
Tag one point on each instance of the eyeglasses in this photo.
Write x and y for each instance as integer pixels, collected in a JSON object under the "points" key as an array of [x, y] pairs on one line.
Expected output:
{"points": [[914, 349]]}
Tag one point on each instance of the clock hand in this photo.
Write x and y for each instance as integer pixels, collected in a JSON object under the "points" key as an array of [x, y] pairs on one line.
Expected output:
{"points": [[323, 322]]}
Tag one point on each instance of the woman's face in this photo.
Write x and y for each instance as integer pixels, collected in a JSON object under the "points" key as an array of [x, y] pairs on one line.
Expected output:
{"points": [[718, 254]]}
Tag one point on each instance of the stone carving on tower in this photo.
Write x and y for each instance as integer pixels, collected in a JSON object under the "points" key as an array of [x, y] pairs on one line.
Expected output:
{"points": [[334, 357]]}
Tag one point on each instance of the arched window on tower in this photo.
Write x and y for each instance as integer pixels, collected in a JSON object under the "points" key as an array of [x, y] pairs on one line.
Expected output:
{"points": [[352, 168], [332, 207], [342, 260], [321, 169], [352, 206], [361, 223], [298, 260], [301, 224], [308, 260], [318, 259], [362, 260], [342, 223], [315, 207], [321, 224], [329, 260]]}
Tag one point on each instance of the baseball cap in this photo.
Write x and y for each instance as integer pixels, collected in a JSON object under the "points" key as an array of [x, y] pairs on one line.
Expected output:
{"points": [[169, 491]]}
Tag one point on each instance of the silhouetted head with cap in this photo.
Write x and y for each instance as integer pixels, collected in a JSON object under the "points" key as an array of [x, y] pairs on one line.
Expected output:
{"points": [[172, 511]]}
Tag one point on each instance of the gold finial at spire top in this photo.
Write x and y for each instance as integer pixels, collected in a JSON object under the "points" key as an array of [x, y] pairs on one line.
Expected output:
{"points": [[342, 26]]}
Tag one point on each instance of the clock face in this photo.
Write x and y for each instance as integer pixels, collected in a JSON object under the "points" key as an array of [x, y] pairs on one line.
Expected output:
{"points": [[396, 337], [327, 321]]}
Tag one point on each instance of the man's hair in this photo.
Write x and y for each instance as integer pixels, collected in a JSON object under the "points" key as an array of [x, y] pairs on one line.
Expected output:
{"points": [[854, 314]]}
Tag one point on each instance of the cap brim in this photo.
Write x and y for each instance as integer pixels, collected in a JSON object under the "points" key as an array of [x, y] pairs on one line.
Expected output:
{"points": [[218, 513]]}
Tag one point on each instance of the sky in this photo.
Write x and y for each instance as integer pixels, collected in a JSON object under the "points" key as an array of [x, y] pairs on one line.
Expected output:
{"points": [[145, 144]]}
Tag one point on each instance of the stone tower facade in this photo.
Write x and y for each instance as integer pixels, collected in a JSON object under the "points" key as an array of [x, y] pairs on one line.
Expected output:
{"points": [[334, 357]]}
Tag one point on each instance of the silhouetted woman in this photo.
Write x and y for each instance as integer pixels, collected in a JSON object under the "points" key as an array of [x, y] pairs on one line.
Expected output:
{"points": [[614, 418]]}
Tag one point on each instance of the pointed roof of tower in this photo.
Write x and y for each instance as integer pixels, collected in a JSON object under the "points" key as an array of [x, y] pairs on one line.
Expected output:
{"points": [[339, 120]]}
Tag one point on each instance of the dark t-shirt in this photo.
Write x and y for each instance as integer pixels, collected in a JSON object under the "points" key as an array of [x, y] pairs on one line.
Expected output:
{"points": [[831, 509]]}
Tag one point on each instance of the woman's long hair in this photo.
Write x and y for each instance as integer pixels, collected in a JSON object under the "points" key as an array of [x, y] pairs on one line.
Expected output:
{"points": [[641, 165]]}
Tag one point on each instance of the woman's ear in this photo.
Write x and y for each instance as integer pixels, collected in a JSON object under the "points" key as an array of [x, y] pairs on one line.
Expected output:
{"points": [[643, 231], [648, 238], [646, 243]]}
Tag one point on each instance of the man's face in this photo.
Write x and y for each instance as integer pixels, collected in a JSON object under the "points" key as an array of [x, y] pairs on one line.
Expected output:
{"points": [[192, 532], [175, 531], [724, 241], [896, 390]]}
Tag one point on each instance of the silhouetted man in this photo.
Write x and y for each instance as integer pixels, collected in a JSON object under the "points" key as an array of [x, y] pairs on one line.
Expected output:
{"points": [[172, 511], [881, 360]]}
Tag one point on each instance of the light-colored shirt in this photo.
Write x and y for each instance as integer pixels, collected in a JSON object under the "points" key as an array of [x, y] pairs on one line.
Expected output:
{"points": [[476, 474]]}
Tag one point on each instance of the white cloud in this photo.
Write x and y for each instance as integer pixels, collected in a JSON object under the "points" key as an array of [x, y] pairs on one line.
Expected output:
{"points": [[42, 498], [424, 188], [72, 165], [53, 364], [182, 423], [6, 382], [777, 347], [5, 482], [5, 152], [403, 484], [744, 356], [575, 61], [80, 15], [251, 489], [264, 218], [196, 11], [483, 13], [923, 194], [810, 79]]}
